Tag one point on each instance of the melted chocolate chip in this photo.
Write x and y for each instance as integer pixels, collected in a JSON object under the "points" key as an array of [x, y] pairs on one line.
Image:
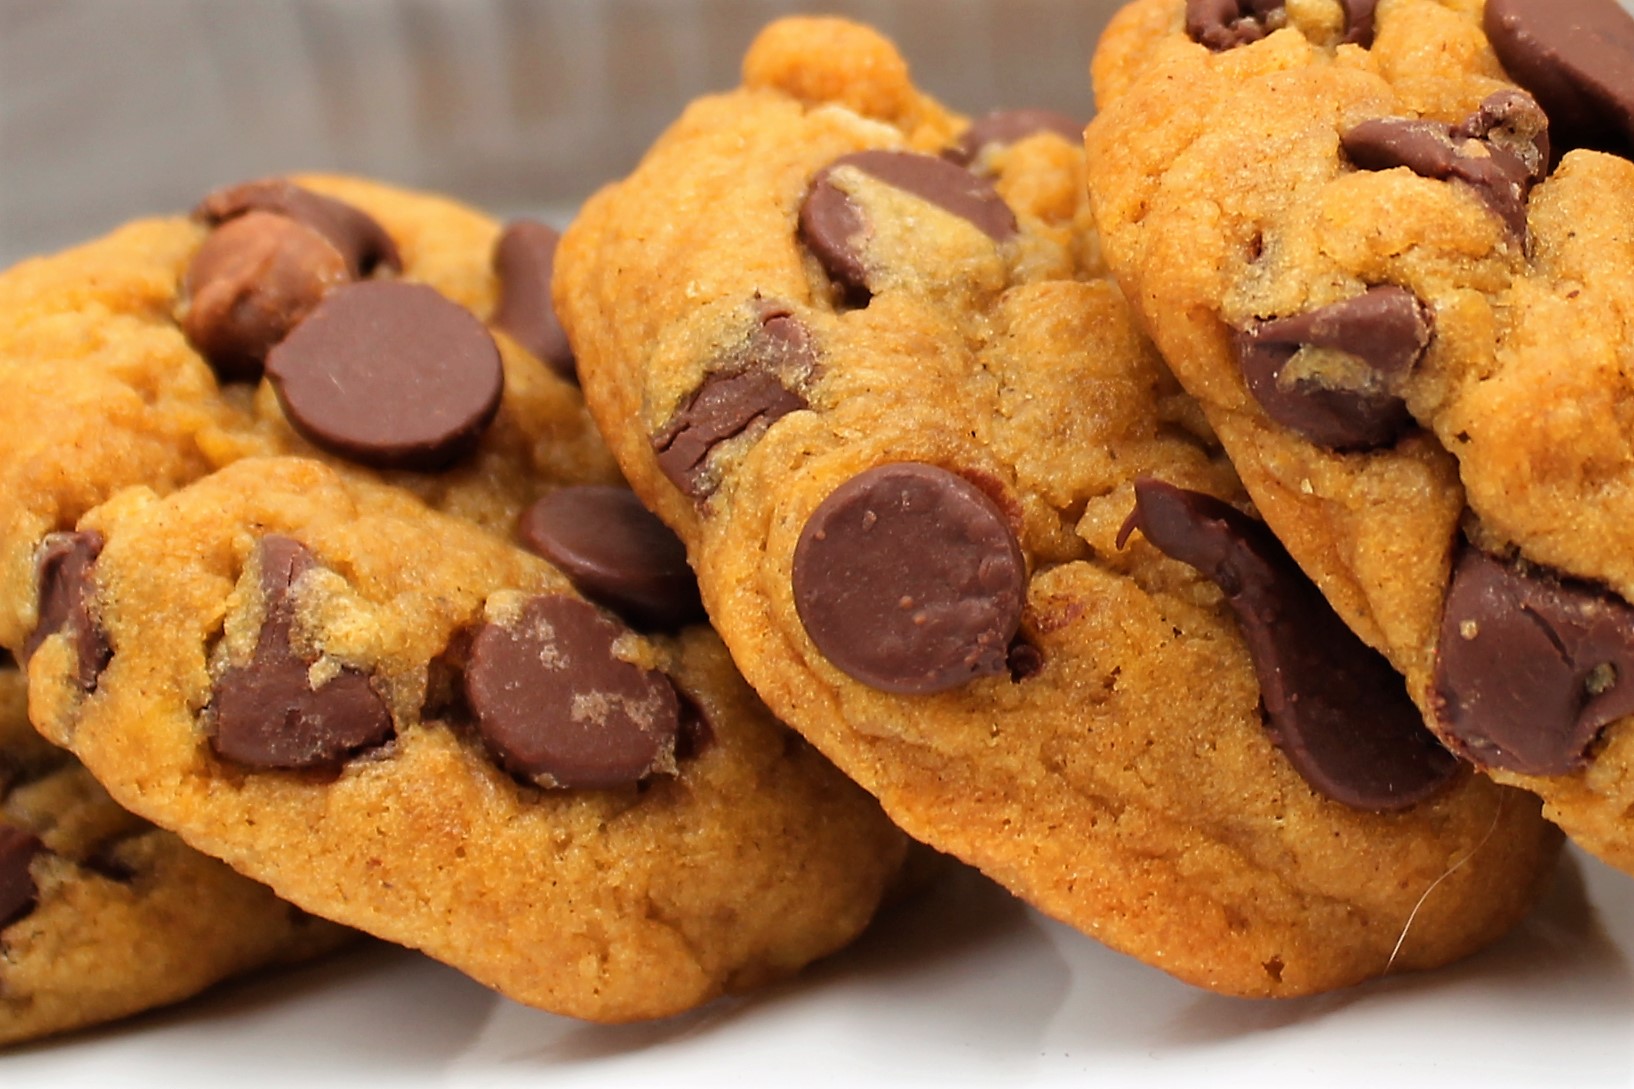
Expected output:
{"points": [[267, 714], [18, 893], [757, 385], [1577, 59], [1500, 151], [909, 579], [1530, 667], [617, 553], [356, 235], [1005, 127], [391, 375], [525, 261], [1333, 705], [1226, 24], [1345, 394], [836, 229], [1359, 23], [251, 282], [556, 706], [64, 566]]}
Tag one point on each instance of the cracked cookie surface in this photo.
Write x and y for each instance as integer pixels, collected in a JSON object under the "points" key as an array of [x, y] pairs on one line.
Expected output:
{"points": [[1396, 273], [878, 381]]}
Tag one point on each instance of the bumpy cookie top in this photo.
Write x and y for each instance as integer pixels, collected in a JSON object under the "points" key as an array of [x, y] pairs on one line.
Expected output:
{"points": [[315, 630], [1393, 268], [864, 358]]}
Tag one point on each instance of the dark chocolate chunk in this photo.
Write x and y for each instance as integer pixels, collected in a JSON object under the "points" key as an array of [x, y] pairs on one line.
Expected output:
{"points": [[1500, 151], [251, 282], [356, 235], [757, 385], [910, 579], [617, 553], [389, 374], [267, 714], [525, 261], [1226, 24], [1577, 59], [1334, 374], [1530, 667], [558, 708], [836, 229], [1005, 127], [1359, 21], [1333, 705], [17, 890], [63, 569]]}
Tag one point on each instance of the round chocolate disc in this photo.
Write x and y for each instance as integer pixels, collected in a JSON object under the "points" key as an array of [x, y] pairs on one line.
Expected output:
{"points": [[909, 579], [389, 374], [617, 553], [556, 706]]}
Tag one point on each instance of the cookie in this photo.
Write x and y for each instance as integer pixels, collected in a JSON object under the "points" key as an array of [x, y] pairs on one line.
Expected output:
{"points": [[1389, 266], [280, 553], [103, 915], [958, 526]]}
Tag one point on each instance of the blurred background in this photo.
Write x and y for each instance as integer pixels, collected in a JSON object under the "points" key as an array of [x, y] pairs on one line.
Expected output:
{"points": [[111, 109]]}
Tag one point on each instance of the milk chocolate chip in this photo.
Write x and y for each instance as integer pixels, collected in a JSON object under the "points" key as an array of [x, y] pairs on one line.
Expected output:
{"points": [[1332, 704], [909, 579], [63, 569], [758, 384], [1577, 59], [1334, 374], [361, 241], [525, 262], [1530, 667], [557, 707], [391, 375], [1226, 24], [617, 553], [267, 714], [17, 890], [1002, 128], [836, 229], [1500, 151], [251, 282]]}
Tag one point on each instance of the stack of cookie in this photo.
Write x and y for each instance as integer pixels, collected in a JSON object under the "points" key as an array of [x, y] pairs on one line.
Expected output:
{"points": [[319, 553]]}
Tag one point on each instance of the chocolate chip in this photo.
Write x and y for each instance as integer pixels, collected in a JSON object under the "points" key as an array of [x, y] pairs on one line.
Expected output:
{"points": [[617, 553], [267, 714], [1530, 667], [1359, 22], [249, 284], [1334, 374], [1226, 24], [1500, 151], [756, 385], [63, 569], [356, 235], [557, 707], [1333, 705], [17, 889], [389, 374], [836, 229], [909, 579], [525, 261], [1005, 127], [1577, 58]]}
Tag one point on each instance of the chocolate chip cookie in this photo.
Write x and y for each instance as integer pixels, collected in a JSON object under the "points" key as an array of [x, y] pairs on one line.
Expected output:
{"points": [[1385, 251], [958, 526], [320, 564], [103, 915]]}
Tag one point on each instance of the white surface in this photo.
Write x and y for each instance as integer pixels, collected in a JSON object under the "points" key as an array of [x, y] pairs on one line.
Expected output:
{"points": [[962, 987]]}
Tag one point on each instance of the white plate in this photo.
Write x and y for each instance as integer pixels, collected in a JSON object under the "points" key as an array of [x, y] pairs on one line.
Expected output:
{"points": [[962, 987]]}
